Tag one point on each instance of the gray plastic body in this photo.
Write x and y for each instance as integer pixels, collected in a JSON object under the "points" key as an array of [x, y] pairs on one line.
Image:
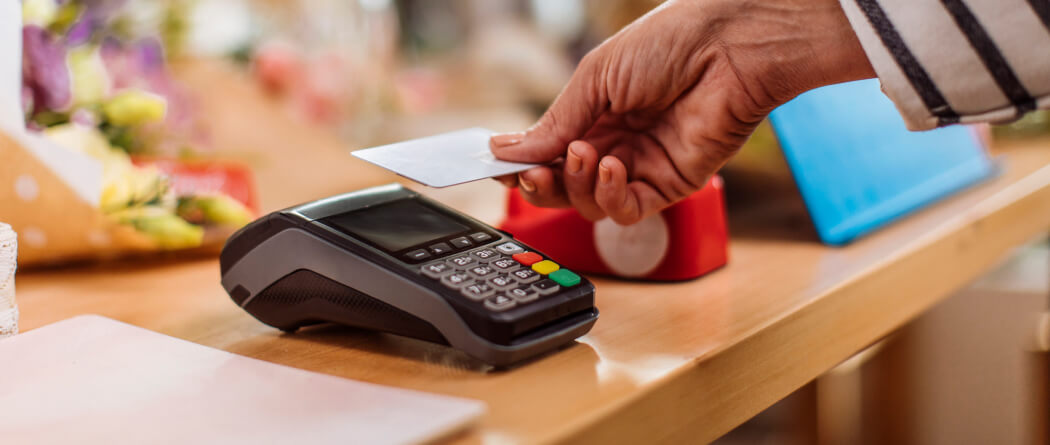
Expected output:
{"points": [[293, 249]]}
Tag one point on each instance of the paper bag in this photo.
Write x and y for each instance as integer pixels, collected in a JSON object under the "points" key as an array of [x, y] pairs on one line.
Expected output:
{"points": [[55, 222]]}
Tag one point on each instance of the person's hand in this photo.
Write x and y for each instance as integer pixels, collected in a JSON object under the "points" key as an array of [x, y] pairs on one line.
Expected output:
{"points": [[654, 111]]}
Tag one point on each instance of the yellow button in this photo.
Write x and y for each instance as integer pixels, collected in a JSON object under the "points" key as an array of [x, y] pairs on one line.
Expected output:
{"points": [[545, 267]]}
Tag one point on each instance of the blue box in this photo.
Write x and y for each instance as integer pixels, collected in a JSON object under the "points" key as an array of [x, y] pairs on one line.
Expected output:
{"points": [[859, 168]]}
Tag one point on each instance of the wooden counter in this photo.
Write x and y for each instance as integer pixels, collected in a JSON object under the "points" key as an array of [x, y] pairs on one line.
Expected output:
{"points": [[681, 362]]}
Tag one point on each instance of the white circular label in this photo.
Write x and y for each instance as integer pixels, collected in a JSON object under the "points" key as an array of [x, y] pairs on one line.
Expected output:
{"points": [[26, 188], [635, 250], [99, 238], [33, 236]]}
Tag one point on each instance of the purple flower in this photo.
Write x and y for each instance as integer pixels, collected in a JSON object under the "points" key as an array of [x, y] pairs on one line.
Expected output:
{"points": [[81, 31], [94, 17], [150, 54], [102, 10], [27, 100], [44, 69]]}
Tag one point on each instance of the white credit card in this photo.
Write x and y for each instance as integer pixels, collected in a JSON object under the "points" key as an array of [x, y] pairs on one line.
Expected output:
{"points": [[443, 160]]}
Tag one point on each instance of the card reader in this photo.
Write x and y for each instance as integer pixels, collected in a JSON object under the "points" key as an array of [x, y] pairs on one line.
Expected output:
{"points": [[391, 260]]}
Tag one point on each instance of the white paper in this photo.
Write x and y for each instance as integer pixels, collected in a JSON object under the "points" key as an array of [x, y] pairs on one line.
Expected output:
{"points": [[92, 380], [443, 160], [11, 64], [80, 172]]}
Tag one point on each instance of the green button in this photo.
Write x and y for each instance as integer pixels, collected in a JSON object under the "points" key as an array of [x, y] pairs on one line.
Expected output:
{"points": [[565, 277]]}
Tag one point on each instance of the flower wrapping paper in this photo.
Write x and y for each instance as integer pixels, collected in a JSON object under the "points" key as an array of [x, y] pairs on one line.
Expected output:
{"points": [[55, 222], [47, 194]]}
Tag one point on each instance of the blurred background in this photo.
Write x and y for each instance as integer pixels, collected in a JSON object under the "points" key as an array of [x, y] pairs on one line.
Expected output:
{"points": [[172, 96], [368, 69]]}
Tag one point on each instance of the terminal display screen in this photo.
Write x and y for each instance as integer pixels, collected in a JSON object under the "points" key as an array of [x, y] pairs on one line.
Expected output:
{"points": [[398, 225]]}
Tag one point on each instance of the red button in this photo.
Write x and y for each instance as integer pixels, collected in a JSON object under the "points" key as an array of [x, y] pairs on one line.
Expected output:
{"points": [[527, 258]]}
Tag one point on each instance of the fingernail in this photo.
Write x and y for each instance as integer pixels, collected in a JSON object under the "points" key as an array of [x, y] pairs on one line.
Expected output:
{"points": [[527, 185], [604, 174], [573, 163], [508, 139]]}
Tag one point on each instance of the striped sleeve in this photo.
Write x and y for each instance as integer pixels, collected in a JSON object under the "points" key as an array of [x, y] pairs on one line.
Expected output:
{"points": [[949, 61]]}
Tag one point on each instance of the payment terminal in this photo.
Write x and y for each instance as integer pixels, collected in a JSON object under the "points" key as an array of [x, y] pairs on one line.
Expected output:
{"points": [[391, 260]]}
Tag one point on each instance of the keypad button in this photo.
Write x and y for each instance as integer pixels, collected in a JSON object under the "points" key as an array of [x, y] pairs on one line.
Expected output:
{"points": [[436, 270], [509, 248], [527, 258], [505, 265], [502, 282], [440, 249], [461, 261], [545, 287], [417, 255], [545, 267], [482, 271], [500, 303], [485, 255], [480, 237], [565, 277], [478, 291], [461, 242], [523, 294], [525, 275], [456, 280]]}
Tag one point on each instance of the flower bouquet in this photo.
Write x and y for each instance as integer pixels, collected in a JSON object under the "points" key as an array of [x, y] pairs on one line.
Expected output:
{"points": [[101, 149]]}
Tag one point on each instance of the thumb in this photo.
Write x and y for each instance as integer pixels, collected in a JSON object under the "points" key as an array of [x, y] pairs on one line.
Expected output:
{"points": [[572, 114]]}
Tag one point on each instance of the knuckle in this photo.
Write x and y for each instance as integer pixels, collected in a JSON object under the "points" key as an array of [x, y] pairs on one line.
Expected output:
{"points": [[623, 214], [531, 197], [714, 148], [549, 120], [591, 215], [587, 207], [682, 187], [591, 60], [708, 155], [674, 186], [625, 219]]}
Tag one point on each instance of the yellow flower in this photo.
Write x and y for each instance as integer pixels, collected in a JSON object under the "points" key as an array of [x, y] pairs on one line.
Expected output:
{"points": [[89, 76], [123, 183], [216, 209], [39, 12], [134, 107], [163, 227]]}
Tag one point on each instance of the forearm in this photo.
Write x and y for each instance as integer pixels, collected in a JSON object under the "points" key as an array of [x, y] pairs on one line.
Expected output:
{"points": [[952, 61]]}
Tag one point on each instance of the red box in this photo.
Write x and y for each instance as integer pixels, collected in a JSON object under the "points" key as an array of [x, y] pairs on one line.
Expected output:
{"points": [[202, 177], [682, 242]]}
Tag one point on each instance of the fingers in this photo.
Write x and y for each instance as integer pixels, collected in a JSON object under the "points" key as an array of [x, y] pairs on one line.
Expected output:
{"points": [[542, 186], [571, 115], [625, 203], [580, 173], [508, 181]]}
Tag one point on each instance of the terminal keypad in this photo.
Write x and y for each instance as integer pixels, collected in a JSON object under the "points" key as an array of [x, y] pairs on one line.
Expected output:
{"points": [[501, 276]]}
